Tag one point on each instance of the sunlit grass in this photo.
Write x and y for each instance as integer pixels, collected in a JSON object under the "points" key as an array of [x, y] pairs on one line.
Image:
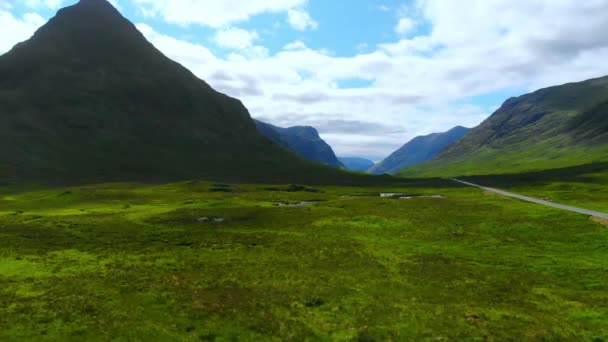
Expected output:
{"points": [[138, 264]]}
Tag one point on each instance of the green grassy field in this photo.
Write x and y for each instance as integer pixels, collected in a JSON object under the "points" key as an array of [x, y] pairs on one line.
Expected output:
{"points": [[585, 186], [140, 262], [520, 159]]}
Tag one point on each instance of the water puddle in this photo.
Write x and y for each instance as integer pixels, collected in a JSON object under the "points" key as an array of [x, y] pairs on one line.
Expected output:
{"points": [[299, 204], [412, 197], [210, 220], [395, 195]]}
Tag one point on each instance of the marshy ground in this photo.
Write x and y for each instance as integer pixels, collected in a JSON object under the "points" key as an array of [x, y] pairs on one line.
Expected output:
{"points": [[138, 262]]}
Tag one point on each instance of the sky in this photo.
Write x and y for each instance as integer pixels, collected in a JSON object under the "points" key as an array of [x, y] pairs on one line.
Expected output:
{"points": [[368, 74]]}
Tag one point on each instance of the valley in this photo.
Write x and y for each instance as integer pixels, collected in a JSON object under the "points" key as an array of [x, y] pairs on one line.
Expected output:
{"points": [[235, 172], [100, 261]]}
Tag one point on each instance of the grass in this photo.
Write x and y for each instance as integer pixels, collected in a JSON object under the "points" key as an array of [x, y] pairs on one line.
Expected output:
{"points": [[133, 262], [585, 186], [521, 158]]}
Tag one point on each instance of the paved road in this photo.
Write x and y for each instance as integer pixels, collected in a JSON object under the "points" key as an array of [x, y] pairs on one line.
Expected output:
{"points": [[535, 200]]}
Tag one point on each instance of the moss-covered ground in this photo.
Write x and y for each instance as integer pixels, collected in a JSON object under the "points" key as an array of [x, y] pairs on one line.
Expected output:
{"points": [[584, 186], [135, 262]]}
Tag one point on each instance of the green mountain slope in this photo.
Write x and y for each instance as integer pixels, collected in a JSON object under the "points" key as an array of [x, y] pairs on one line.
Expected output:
{"points": [[555, 127], [418, 150], [89, 99], [303, 140]]}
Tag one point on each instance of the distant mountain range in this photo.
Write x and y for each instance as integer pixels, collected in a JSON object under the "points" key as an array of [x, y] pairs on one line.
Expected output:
{"points": [[89, 99], [551, 128], [418, 150], [356, 164], [303, 140]]}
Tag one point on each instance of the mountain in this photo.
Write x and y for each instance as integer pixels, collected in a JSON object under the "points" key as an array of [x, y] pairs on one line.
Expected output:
{"points": [[356, 164], [303, 140], [89, 99], [418, 150], [556, 127]]}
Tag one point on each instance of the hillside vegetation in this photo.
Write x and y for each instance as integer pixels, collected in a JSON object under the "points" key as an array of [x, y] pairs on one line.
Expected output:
{"points": [[551, 128]]}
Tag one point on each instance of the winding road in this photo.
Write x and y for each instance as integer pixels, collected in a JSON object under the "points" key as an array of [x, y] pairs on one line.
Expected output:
{"points": [[535, 200]]}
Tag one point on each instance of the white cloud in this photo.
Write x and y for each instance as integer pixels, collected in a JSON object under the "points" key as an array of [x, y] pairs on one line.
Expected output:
{"points": [[184, 52], [421, 84], [236, 38], [405, 26], [36, 4], [214, 13], [296, 45], [242, 42], [14, 30], [301, 20]]}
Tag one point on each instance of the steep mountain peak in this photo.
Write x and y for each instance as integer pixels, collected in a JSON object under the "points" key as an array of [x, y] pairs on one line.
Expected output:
{"points": [[96, 4], [90, 32], [88, 14], [89, 99]]}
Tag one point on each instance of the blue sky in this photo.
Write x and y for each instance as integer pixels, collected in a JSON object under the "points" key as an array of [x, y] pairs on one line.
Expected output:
{"points": [[369, 74]]}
